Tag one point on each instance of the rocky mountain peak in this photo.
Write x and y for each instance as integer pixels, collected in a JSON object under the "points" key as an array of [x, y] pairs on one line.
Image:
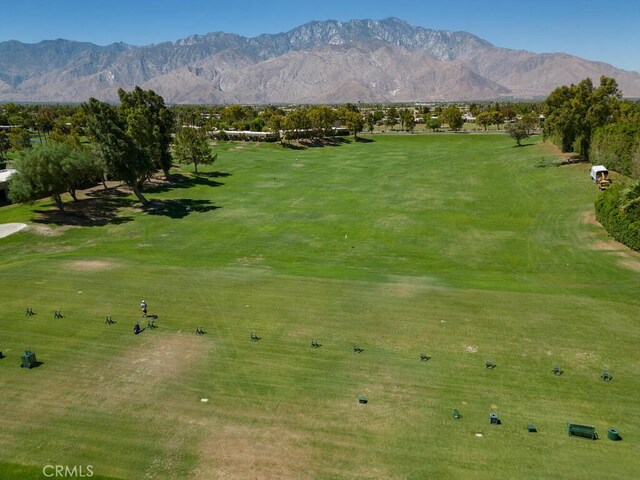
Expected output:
{"points": [[320, 61]]}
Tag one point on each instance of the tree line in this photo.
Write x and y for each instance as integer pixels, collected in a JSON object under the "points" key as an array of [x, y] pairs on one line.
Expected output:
{"points": [[595, 123], [68, 123], [128, 143], [78, 145], [599, 125]]}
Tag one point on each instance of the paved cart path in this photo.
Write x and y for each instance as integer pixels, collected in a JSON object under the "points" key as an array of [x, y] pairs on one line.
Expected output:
{"points": [[7, 229]]}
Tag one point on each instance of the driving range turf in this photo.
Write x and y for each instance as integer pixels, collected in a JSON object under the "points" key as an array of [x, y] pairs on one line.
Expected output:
{"points": [[459, 246]]}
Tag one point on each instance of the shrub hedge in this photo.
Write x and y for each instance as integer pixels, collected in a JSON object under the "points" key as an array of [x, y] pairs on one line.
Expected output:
{"points": [[624, 226], [617, 146]]}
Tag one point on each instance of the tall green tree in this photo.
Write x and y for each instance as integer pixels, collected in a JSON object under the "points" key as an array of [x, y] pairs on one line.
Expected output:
{"points": [[44, 121], [484, 120], [408, 120], [19, 139], [322, 119], [518, 131], [370, 122], [434, 123], [65, 132], [378, 115], [452, 116], [530, 121], [354, 123], [149, 124], [5, 144], [191, 146], [574, 112], [297, 124], [391, 117], [497, 118], [122, 156], [81, 167], [49, 170], [276, 123]]}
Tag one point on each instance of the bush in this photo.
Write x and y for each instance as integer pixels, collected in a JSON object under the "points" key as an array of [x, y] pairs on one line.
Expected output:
{"points": [[623, 225], [617, 147]]}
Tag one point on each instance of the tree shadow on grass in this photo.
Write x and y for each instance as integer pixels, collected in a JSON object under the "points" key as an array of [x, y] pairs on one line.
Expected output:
{"points": [[179, 208], [100, 208], [304, 143], [559, 162], [179, 180], [292, 146], [325, 142], [213, 174], [364, 140]]}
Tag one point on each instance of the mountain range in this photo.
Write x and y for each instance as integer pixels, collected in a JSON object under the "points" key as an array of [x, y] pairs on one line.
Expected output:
{"points": [[319, 62]]}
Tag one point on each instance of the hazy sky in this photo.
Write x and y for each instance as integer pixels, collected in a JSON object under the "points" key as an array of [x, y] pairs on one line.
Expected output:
{"points": [[608, 30]]}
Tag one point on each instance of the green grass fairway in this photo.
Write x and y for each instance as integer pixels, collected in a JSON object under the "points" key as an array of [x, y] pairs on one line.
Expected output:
{"points": [[460, 246]]}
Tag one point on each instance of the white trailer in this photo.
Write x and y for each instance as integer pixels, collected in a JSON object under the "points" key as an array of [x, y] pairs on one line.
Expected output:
{"points": [[599, 174]]}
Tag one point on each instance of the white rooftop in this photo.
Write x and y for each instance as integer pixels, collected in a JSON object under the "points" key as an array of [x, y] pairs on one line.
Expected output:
{"points": [[6, 174]]}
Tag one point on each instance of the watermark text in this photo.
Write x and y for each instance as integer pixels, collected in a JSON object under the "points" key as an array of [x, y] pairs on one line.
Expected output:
{"points": [[68, 471]]}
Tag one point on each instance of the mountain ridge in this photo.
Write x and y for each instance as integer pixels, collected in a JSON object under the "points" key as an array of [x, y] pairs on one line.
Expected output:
{"points": [[328, 61]]}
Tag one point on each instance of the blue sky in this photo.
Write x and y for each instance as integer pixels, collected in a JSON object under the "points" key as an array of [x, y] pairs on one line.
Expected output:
{"points": [[604, 30]]}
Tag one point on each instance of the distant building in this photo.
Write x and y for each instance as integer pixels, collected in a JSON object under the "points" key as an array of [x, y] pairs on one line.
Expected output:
{"points": [[5, 175], [248, 135]]}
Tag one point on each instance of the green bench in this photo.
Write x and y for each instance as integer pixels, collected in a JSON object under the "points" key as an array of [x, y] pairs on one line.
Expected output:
{"points": [[606, 376], [29, 359], [583, 431]]}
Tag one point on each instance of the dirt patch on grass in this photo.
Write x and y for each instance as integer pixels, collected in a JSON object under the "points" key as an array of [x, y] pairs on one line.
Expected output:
{"points": [[632, 263], [404, 290], [626, 257], [135, 376], [604, 245], [396, 223], [250, 261], [95, 207], [589, 218], [47, 231], [565, 158], [243, 452], [584, 356], [408, 287], [91, 265]]}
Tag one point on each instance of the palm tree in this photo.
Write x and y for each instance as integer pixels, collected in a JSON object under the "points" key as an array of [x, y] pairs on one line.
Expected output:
{"points": [[631, 195]]}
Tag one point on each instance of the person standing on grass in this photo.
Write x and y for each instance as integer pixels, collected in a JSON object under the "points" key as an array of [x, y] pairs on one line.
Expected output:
{"points": [[143, 307]]}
